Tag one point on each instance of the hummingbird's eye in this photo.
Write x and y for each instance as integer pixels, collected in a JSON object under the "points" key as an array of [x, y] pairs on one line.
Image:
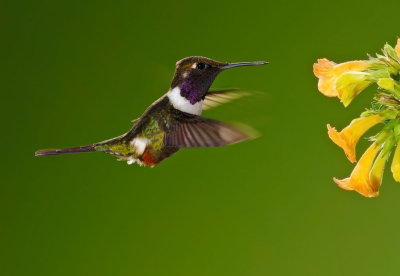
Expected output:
{"points": [[201, 65]]}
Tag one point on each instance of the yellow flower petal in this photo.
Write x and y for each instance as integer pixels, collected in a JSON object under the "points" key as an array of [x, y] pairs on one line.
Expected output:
{"points": [[328, 72], [397, 48], [359, 180], [396, 164], [348, 138], [376, 173], [386, 83], [350, 84]]}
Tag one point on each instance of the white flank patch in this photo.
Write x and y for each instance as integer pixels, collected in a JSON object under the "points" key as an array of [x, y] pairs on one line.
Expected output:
{"points": [[130, 160], [140, 145], [183, 104]]}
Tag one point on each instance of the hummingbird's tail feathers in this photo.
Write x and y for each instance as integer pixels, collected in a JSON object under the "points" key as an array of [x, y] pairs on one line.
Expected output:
{"points": [[89, 148]]}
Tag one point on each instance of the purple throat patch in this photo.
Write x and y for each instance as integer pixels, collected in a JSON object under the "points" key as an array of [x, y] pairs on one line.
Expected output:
{"points": [[189, 91]]}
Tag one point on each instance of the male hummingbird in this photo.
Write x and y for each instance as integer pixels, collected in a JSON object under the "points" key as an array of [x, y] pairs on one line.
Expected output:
{"points": [[173, 121]]}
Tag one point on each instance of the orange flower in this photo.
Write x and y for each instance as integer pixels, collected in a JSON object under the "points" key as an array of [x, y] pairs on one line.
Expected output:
{"points": [[397, 48], [360, 179], [348, 138], [345, 81], [328, 72]]}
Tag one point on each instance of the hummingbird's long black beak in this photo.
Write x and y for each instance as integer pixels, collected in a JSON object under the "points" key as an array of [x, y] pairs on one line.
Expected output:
{"points": [[237, 64]]}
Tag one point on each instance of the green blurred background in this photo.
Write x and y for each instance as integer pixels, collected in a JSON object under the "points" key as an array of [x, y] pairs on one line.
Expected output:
{"points": [[77, 72]]}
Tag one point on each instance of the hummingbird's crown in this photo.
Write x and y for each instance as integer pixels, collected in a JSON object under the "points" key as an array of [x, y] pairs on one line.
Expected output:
{"points": [[189, 61]]}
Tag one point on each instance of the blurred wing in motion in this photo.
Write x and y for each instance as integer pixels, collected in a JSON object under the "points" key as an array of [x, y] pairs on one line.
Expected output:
{"points": [[192, 131], [218, 97]]}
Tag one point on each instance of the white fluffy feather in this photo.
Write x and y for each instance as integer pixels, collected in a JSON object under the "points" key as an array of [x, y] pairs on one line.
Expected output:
{"points": [[183, 104], [140, 145]]}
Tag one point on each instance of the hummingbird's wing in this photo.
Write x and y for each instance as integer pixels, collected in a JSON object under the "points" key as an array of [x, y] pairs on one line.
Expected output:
{"points": [[192, 131], [217, 97]]}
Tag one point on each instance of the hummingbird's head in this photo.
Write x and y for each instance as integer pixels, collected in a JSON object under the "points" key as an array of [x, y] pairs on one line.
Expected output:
{"points": [[194, 75]]}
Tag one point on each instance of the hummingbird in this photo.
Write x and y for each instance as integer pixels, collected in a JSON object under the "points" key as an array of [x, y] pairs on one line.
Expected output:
{"points": [[174, 121]]}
